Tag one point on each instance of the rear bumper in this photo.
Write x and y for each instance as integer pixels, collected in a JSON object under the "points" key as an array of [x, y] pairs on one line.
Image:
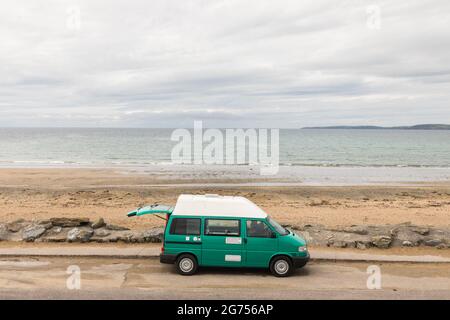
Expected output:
{"points": [[300, 261], [167, 258]]}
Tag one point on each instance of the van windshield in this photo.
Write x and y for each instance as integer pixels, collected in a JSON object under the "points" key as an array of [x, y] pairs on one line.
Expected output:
{"points": [[281, 230]]}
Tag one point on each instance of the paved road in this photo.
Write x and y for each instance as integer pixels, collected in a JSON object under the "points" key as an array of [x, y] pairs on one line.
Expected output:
{"points": [[114, 278]]}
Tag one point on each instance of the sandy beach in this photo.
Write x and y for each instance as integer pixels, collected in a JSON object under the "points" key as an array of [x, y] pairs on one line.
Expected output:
{"points": [[110, 193]]}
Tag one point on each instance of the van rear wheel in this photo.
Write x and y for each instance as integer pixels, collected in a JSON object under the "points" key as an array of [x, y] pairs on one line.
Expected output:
{"points": [[281, 266], [186, 264]]}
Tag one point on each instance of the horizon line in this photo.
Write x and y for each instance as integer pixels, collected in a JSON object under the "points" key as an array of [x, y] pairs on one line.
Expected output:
{"points": [[215, 127]]}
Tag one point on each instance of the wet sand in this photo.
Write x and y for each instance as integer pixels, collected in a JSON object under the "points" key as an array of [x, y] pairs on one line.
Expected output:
{"points": [[110, 193]]}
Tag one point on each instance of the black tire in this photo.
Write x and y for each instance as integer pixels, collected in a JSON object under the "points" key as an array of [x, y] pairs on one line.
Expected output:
{"points": [[186, 264], [281, 266]]}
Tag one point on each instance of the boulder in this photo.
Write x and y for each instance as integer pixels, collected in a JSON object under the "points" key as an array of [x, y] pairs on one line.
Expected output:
{"points": [[123, 236], [420, 230], [82, 234], [153, 235], [136, 237], [115, 228], [104, 235], [4, 233], [407, 243], [316, 236], [100, 223], [99, 239], [115, 236], [127, 236], [380, 230], [382, 241], [434, 242], [405, 234], [101, 233], [110, 238], [56, 230], [55, 234], [361, 230], [348, 240], [15, 226], [439, 234], [32, 232], [363, 245], [337, 244], [47, 225], [69, 222]]}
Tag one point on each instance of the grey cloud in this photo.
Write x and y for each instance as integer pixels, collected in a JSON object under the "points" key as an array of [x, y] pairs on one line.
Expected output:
{"points": [[231, 63]]}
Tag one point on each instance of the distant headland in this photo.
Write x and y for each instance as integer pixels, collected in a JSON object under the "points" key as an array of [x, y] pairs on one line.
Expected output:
{"points": [[415, 127]]}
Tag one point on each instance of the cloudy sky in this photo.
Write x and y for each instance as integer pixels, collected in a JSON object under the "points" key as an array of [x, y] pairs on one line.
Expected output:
{"points": [[230, 63]]}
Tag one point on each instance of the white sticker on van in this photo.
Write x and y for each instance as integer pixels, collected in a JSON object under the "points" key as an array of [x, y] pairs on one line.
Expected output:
{"points": [[233, 240], [187, 238], [233, 257]]}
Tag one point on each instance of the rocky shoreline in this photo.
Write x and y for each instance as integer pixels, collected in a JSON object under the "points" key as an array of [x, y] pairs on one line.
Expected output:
{"points": [[356, 236], [75, 230], [368, 236]]}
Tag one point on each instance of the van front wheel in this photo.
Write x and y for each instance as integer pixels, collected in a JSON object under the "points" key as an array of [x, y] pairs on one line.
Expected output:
{"points": [[281, 266], [187, 264]]}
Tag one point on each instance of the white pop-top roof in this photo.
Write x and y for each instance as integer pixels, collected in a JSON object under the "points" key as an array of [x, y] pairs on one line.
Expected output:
{"points": [[215, 205]]}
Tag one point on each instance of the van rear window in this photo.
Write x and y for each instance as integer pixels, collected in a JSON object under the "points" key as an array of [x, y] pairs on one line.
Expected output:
{"points": [[221, 227], [185, 226]]}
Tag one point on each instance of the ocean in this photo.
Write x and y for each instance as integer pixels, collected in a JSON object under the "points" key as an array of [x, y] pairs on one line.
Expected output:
{"points": [[36, 147]]}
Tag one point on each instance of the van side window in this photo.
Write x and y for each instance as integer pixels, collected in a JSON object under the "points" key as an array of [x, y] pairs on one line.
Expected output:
{"points": [[258, 229], [221, 227], [186, 226]]}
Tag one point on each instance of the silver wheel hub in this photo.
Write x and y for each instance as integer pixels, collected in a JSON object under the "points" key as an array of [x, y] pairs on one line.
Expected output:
{"points": [[186, 265], [281, 267]]}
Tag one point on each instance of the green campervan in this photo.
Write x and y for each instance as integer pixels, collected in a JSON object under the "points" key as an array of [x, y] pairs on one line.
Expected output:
{"points": [[222, 231]]}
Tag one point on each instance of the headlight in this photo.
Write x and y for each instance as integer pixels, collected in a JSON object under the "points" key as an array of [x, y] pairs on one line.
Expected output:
{"points": [[302, 249]]}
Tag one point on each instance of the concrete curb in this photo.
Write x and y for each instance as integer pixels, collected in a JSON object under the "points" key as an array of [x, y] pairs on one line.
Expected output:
{"points": [[145, 252], [363, 257], [82, 252]]}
